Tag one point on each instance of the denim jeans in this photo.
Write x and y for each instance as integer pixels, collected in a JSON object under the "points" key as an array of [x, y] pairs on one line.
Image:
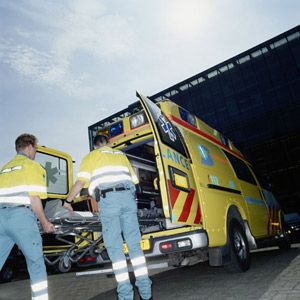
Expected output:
{"points": [[18, 225], [118, 215]]}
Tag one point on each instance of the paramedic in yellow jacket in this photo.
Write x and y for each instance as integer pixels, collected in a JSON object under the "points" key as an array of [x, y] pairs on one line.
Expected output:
{"points": [[22, 185], [110, 172]]}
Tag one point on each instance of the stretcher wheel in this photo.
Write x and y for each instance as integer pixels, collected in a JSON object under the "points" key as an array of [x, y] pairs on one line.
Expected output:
{"points": [[64, 265]]}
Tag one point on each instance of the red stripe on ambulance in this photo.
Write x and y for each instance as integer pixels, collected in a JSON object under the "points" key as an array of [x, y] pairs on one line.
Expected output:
{"points": [[198, 216], [187, 206], [173, 193]]}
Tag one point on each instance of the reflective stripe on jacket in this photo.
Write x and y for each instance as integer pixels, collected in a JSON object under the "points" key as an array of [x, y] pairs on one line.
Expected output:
{"points": [[106, 167], [21, 178]]}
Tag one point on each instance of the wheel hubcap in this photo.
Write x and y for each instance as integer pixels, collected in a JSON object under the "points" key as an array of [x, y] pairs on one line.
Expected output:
{"points": [[240, 246]]}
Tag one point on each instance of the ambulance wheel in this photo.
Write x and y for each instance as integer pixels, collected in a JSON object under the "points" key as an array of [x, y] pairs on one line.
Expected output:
{"points": [[238, 249], [64, 265]]}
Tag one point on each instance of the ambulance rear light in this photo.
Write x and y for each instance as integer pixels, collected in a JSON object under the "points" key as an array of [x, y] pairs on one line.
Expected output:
{"points": [[90, 258], [87, 259], [138, 120], [187, 117], [166, 247], [175, 245]]}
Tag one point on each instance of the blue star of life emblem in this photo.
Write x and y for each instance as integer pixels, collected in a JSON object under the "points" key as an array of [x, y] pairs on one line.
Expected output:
{"points": [[167, 128]]}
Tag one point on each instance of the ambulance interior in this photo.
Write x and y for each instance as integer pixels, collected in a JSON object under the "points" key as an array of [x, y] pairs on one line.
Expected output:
{"points": [[150, 212]]}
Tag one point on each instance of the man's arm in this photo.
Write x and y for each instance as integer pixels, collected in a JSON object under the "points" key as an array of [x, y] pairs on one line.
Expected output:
{"points": [[134, 178], [37, 208], [77, 187]]}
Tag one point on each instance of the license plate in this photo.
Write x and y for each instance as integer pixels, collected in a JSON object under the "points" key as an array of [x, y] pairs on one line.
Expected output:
{"points": [[145, 245]]}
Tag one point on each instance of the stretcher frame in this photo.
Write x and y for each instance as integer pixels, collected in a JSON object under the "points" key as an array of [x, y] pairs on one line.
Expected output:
{"points": [[83, 230]]}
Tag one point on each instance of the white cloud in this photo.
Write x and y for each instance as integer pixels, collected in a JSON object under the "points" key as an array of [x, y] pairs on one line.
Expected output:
{"points": [[41, 68], [184, 20], [106, 38], [63, 31]]}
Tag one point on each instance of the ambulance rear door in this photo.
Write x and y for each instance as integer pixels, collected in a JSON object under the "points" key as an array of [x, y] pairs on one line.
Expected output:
{"points": [[177, 186], [58, 166]]}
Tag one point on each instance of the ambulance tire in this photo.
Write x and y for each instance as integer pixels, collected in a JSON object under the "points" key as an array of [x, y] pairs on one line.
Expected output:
{"points": [[238, 249]]}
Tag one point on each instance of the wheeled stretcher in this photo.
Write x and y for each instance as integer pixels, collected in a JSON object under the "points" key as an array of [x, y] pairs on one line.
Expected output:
{"points": [[76, 235]]}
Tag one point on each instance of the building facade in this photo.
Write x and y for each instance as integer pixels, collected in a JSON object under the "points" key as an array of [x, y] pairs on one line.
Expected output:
{"points": [[254, 99]]}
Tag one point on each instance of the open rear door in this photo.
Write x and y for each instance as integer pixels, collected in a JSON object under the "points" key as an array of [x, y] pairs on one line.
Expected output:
{"points": [[177, 186], [58, 166]]}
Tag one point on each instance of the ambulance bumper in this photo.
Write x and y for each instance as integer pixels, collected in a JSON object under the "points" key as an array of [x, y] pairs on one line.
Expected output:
{"points": [[178, 243]]}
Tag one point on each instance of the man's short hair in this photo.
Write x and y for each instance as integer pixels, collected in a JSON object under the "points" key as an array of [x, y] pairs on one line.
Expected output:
{"points": [[25, 140], [100, 139]]}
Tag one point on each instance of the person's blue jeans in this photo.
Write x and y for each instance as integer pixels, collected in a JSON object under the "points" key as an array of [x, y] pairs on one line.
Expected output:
{"points": [[118, 214], [18, 225]]}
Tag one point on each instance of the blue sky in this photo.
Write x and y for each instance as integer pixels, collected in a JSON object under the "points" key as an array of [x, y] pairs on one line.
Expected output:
{"points": [[67, 64]]}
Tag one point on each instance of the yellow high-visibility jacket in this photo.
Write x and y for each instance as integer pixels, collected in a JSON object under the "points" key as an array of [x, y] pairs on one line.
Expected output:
{"points": [[20, 178], [106, 167]]}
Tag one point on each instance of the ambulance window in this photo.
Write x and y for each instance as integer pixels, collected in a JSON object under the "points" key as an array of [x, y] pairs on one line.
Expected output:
{"points": [[241, 169], [56, 169], [187, 116], [170, 135]]}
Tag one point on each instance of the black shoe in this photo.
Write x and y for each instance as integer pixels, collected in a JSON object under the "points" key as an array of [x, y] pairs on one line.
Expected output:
{"points": [[146, 299]]}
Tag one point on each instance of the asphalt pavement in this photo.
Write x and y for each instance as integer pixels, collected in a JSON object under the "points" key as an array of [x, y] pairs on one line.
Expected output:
{"points": [[274, 274]]}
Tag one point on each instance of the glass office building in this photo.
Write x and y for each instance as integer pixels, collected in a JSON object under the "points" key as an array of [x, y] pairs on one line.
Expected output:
{"points": [[254, 99]]}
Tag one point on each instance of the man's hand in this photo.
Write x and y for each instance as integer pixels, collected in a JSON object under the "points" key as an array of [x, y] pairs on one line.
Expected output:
{"points": [[48, 227], [68, 206], [77, 187], [37, 208]]}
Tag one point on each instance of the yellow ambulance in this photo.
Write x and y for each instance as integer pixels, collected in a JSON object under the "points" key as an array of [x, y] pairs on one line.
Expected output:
{"points": [[198, 196]]}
